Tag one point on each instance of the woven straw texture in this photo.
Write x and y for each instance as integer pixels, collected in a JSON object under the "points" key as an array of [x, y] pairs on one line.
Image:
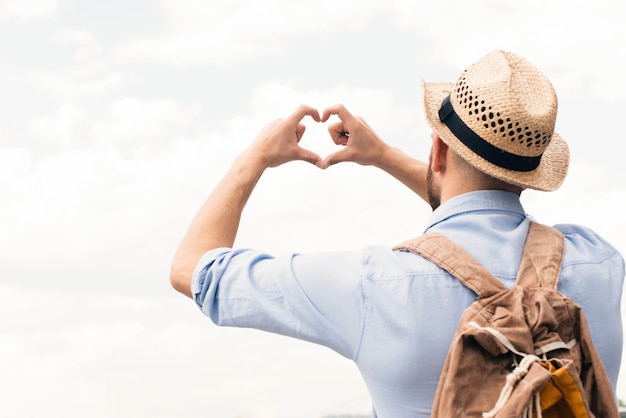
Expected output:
{"points": [[510, 104]]}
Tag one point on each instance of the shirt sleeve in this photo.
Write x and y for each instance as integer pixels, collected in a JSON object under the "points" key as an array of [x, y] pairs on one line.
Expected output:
{"points": [[598, 261], [315, 298]]}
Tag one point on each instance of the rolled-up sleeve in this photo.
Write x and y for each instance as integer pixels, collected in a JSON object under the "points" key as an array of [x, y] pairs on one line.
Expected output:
{"points": [[315, 298]]}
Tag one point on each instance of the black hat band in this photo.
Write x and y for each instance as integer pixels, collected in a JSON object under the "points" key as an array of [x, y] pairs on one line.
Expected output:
{"points": [[486, 150]]}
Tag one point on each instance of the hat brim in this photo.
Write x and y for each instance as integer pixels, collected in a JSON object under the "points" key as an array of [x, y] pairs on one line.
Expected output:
{"points": [[548, 176]]}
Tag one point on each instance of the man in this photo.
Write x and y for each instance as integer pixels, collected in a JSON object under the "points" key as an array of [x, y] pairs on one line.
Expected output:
{"points": [[394, 313]]}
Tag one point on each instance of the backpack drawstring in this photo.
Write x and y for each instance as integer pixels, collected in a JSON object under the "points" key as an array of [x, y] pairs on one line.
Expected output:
{"points": [[511, 380]]}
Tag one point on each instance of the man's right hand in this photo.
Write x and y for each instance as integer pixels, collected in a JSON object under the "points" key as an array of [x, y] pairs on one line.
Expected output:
{"points": [[361, 144]]}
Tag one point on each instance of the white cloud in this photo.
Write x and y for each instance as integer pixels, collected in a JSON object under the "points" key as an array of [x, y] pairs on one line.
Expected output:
{"points": [[14, 161], [585, 44], [272, 18], [44, 205], [78, 82], [134, 120], [74, 206], [73, 36], [88, 52], [88, 74], [27, 10], [582, 42], [103, 355], [220, 33], [59, 128]]}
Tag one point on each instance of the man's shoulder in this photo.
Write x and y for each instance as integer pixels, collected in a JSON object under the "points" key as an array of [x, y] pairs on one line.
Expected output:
{"points": [[383, 262], [584, 244]]}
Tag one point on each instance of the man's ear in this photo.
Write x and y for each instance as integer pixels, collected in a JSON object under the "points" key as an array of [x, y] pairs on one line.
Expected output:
{"points": [[439, 154]]}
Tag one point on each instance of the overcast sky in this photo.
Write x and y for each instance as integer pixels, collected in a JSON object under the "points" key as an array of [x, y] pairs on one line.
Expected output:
{"points": [[118, 117]]}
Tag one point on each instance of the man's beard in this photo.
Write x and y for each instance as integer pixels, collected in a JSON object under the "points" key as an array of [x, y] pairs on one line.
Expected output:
{"points": [[434, 194]]}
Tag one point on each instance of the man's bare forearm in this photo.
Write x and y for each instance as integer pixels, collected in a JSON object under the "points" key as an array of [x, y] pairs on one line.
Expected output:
{"points": [[406, 169], [216, 223]]}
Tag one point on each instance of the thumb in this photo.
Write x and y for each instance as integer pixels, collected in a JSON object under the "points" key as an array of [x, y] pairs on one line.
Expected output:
{"points": [[336, 157], [310, 157]]}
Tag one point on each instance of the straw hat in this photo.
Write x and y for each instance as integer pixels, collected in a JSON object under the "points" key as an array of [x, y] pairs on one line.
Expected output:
{"points": [[500, 117]]}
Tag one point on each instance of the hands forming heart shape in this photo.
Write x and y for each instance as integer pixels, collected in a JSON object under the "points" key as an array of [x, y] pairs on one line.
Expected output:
{"points": [[278, 142]]}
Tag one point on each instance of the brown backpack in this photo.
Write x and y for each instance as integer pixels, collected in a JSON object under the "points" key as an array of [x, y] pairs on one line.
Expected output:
{"points": [[519, 352]]}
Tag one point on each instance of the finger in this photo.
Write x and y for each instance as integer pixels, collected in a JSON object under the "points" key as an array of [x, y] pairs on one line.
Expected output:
{"points": [[338, 133], [301, 112], [339, 110], [360, 118], [300, 131]]}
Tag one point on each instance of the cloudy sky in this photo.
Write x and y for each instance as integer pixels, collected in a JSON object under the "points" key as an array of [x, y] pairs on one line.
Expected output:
{"points": [[117, 117]]}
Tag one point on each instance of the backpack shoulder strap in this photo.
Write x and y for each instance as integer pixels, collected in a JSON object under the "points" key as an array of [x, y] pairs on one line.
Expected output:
{"points": [[455, 260], [542, 257]]}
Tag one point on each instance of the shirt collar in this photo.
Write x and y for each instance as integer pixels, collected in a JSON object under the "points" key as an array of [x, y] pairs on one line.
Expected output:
{"points": [[476, 201]]}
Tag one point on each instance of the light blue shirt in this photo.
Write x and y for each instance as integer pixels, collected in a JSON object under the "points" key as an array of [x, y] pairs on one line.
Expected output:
{"points": [[394, 313]]}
